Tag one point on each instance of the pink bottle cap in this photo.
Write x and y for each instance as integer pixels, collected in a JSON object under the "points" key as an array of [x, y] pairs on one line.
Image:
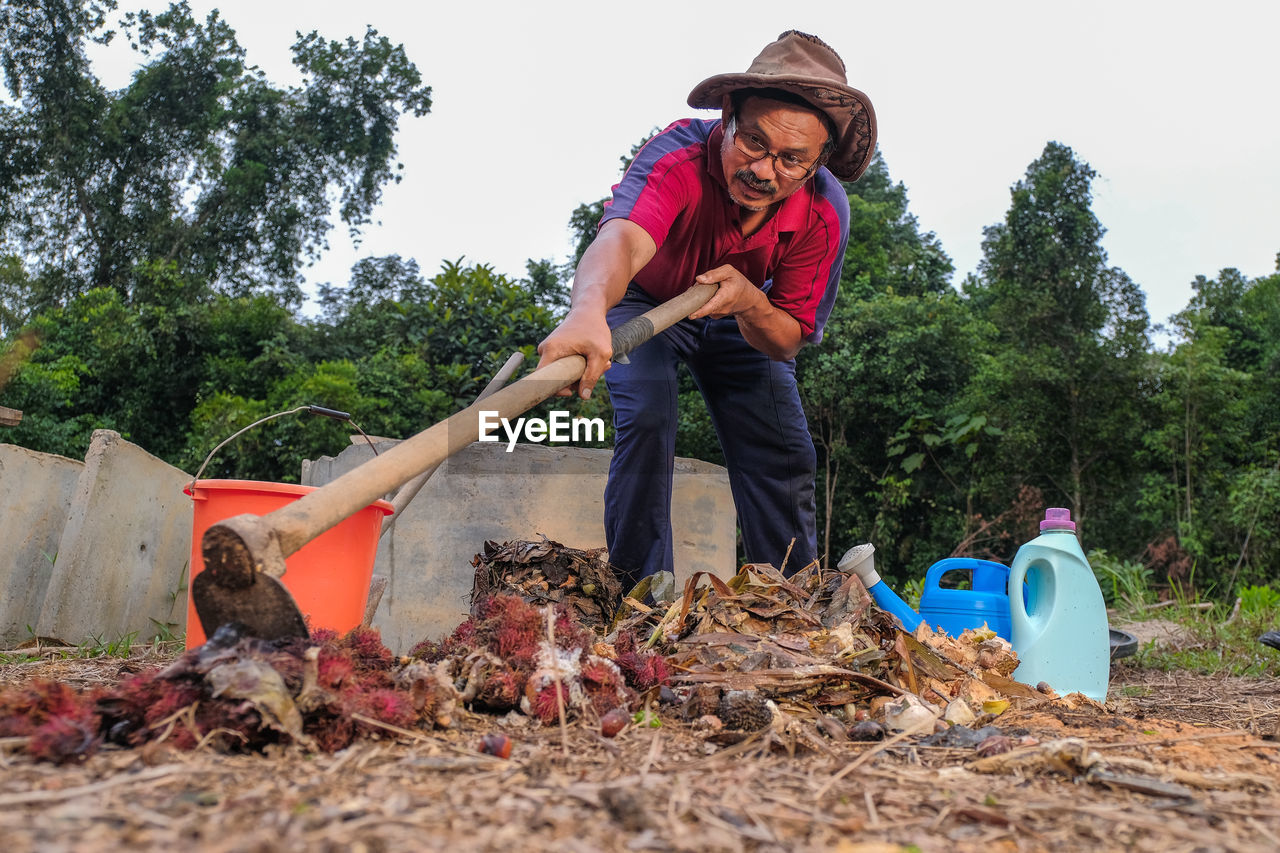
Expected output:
{"points": [[1057, 518]]}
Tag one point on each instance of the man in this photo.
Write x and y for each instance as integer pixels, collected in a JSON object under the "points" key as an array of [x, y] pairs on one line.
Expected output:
{"points": [[750, 202]]}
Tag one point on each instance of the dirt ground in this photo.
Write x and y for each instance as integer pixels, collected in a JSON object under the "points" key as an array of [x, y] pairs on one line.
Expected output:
{"points": [[1174, 762]]}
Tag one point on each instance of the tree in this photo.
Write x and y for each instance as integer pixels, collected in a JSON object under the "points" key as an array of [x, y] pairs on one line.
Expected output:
{"points": [[889, 373], [898, 349], [199, 162], [142, 369], [1215, 454], [1064, 374], [887, 252]]}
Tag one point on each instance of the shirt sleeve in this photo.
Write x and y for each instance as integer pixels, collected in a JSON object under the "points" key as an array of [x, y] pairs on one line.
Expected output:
{"points": [[661, 181]]}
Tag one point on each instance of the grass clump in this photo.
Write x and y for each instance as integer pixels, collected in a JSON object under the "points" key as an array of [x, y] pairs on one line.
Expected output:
{"points": [[164, 641], [1224, 638], [1125, 584]]}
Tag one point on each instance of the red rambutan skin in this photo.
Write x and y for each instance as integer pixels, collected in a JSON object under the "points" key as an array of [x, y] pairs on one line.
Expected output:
{"points": [[387, 706], [330, 732], [626, 642], [604, 686], [428, 650], [516, 643], [64, 740], [334, 668], [570, 633], [168, 717], [365, 645], [504, 607], [332, 728], [599, 672], [61, 725], [25, 709], [643, 669], [545, 706], [502, 689], [461, 641], [653, 672], [511, 628]]}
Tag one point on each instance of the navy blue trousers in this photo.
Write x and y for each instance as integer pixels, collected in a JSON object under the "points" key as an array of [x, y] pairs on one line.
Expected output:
{"points": [[755, 408]]}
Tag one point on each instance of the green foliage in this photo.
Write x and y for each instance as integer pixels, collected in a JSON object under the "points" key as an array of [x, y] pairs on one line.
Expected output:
{"points": [[412, 352], [142, 369], [97, 647], [1212, 461], [1125, 584], [179, 378], [912, 589], [886, 377], [199, 162], [1259, 601]]}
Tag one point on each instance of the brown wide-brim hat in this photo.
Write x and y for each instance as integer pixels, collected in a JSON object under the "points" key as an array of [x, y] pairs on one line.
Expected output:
{"points": [[805, 65]]}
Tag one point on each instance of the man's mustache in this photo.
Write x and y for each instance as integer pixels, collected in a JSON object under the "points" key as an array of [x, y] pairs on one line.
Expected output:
{"points": [[749, 178]]}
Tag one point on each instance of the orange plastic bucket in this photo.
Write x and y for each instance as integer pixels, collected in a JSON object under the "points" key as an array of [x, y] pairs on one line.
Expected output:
{"points": [[328, 577]]}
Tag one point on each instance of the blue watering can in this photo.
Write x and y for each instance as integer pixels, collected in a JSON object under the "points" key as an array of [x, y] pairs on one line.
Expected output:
{"points": [[946, 608], [1058, 627]]}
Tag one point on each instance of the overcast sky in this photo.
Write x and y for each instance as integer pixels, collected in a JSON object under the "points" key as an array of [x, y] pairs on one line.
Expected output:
{"points": [[1173, 103]]}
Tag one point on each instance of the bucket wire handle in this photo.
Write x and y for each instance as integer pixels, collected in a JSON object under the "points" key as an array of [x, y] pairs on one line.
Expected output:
{"points": [[314, 410]]}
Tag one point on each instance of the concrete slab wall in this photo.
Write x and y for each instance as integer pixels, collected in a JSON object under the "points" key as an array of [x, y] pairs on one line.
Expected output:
{"points": [[35, 497], [486, 493], [100, 548], [123, 555]]}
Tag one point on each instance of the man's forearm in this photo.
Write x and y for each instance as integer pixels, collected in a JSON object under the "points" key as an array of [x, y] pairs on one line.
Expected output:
{"points": [[765, 326], [771, 330]]}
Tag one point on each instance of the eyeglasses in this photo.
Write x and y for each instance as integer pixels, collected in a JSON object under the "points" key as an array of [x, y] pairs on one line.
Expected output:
{"points": [[787, 165]]}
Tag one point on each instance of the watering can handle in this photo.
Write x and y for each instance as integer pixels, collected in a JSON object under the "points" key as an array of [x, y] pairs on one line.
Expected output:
{"points": [[985, 575], [940, 568]]}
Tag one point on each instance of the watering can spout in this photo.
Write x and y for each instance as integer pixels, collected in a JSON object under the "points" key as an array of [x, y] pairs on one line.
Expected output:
{"points": [[860, 560]]}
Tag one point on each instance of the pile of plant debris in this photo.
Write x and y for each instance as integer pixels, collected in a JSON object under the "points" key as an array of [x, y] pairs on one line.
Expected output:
{"points": [[547, 572], [806, 658], [240, 693]]}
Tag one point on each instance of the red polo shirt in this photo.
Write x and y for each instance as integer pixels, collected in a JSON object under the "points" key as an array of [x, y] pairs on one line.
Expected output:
{"points": [[675, 190]]}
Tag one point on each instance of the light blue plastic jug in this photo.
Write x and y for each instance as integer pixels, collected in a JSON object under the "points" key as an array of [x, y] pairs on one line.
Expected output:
{"points": [[1060, 631], [985, 602]]}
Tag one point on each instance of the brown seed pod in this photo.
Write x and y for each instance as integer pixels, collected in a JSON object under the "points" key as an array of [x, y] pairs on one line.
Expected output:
{"points": [[703, 699], [496, 744], [614, 722], [744, 711], [866, 730]]}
